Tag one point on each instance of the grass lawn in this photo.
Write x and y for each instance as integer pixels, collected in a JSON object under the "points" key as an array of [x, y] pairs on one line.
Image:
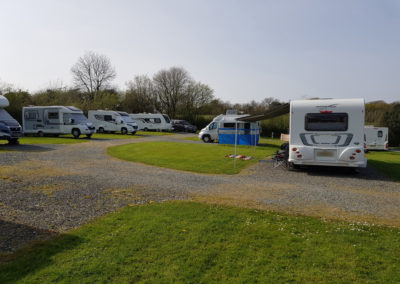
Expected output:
{"points": [[114, 136], [201, 158], [262, 141], [197, 243], [386, 162], [50, 140], [154, 133]]}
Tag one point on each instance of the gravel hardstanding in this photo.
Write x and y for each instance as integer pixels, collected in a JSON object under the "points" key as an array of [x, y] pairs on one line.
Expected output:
{"points": [[49, 189]]}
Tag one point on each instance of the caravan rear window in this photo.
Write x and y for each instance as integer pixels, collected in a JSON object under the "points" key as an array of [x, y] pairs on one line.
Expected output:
{"points": [[326, 121]]}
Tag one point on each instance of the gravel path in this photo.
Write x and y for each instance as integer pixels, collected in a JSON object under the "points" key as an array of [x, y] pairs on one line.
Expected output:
{"points": [[49, 189]]}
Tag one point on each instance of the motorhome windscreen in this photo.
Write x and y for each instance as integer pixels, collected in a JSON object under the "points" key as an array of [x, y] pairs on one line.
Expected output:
{"points": [[166, 118], [78, 118], [4, 115], [326, 121], [127, 119]]}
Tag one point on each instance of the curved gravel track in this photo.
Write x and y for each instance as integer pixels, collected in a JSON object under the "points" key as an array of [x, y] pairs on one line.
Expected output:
{"points": [[48, 189]]}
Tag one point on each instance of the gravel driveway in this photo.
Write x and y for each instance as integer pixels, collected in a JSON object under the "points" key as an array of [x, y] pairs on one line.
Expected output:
{"points": [[49, 189]]}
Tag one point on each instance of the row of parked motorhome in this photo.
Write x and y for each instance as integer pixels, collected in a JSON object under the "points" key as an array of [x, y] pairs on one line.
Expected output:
{"points": [[322, 132], [56, 120]]}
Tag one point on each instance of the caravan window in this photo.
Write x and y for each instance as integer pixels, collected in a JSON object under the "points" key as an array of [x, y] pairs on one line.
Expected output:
{"points": [[30, 115], [157, 120], [108, 118], [380, 133], [52, 115], [229, 125], [326, 121], [99, 117]]}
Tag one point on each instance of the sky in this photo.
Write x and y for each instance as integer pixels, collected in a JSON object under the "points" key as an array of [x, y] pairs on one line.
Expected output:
{"points": [[244, 50]]}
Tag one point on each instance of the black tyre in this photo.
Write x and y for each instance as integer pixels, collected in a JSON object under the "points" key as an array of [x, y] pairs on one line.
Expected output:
{"points": [[40, 134], [89, 136], [76, 133], [13, 141], [101, 130], [134, 132], [206, 139], [146, 129], [124, 130]]}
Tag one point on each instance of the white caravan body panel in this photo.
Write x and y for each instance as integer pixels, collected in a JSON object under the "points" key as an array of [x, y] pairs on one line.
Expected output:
{"points": [[112, 121], [376, 138], [152, 121], [55, 120], [327, 132]]}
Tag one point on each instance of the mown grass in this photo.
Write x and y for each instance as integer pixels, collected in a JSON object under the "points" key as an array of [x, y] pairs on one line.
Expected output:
{"points": [[197, 243], [154, 133], [50, 140], [201, 158], [262, 141], [386, 162]]}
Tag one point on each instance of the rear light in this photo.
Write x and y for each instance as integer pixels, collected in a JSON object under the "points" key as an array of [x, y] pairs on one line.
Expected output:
{"points": [[365, 146], [298, 152], [387, 146], [294, 149], [354, 154], [358, 151], [299, 156], [325, 111], [352, 157]]}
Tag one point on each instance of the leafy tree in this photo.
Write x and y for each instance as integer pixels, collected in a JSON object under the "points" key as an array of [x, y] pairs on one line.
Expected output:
{"points": [[17, 99], [392, 119]]}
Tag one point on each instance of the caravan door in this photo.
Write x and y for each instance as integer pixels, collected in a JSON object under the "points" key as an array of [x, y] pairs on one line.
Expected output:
{"points": [[52, 121]]}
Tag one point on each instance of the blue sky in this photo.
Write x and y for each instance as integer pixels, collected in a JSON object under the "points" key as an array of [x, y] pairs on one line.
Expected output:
{"points": [[245, 50]]}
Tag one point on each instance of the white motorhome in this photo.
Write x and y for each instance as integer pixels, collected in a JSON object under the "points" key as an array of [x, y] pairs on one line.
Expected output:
{"points": [[10, 129], [56, 120], [376, 138], [112, 121], [152, 121], [327, 132], [227, 129]]}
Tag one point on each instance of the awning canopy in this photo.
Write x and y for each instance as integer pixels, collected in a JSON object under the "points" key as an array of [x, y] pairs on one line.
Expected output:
{"points": [[276, 111]]}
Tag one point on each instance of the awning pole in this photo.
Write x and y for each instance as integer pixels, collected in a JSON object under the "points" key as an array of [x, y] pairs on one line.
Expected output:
{"points": [[236, 129]]}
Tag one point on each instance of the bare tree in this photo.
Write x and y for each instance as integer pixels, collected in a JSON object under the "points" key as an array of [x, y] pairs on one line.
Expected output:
{"points": [[170, 86], [140, 95], [93, 72], [196, 96]]}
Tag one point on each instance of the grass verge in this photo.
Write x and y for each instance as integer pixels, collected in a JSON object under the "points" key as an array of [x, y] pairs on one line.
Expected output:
{"points": [[197, 243], [386, 162], [154, 133], [201, 158]]}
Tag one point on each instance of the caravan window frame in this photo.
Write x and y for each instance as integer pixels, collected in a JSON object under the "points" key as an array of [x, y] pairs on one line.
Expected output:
{"points": [[340, 125], [380, 134], [53, 115]]}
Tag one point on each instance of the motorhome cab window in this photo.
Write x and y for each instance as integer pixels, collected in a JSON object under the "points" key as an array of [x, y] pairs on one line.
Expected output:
{"points": [[213, 126], [99, 117], [166, 118], [52, 115], [30, 115], [326, 121], [380, 133]]}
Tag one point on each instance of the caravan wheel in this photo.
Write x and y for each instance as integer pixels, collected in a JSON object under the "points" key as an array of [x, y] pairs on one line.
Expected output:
{"points": [[124, 131], [101, 130], [76, 133], [41, 134]]}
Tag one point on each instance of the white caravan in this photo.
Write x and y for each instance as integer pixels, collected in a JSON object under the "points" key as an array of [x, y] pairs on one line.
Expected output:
{"points": [[327, 132], [224, 128], [56, 120], [376, 138], [152, 121], [10, 129], [112, 121]]}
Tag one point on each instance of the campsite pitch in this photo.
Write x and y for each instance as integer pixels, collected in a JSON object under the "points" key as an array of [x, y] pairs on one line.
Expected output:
{"points": [[201, 158]]}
